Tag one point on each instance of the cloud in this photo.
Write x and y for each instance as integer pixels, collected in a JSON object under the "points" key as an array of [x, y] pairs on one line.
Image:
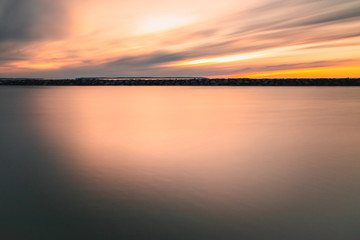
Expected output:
{"points": [[26, 20], [23, 23], [148, 60], [329, 17], [27, 28]]}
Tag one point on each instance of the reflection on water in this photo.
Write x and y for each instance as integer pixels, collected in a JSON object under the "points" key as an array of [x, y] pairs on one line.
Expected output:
{"points": [[194, 162]]}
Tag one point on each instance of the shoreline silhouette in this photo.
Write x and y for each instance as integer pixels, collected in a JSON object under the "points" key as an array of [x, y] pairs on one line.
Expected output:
{"points": [[182, 81]]}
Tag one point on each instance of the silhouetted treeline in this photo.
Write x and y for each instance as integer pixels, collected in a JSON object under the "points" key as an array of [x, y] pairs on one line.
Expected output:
{"points": [[185, 82]]}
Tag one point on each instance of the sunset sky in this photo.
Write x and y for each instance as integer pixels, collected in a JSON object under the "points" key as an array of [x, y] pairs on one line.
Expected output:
{"points": [[210, 38]]}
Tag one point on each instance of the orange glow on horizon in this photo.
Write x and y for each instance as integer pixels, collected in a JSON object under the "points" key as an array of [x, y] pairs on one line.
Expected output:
{"points": [[39, 66], [329, 72]]}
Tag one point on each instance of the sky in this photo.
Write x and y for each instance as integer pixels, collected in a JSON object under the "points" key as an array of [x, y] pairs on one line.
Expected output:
{"points": [[167, 38]]}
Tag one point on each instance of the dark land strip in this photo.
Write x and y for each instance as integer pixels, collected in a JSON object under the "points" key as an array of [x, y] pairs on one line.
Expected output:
{"points": [[183, 82]]}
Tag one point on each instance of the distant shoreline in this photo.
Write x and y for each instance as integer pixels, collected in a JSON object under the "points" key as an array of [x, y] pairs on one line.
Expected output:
{"points": [[182, 82]]}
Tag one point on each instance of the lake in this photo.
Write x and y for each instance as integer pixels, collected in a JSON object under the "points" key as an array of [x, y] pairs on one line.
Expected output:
{"points": [[222, 163]]}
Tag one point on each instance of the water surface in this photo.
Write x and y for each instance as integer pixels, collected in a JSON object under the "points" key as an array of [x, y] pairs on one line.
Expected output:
{"points": [[180, 162]]}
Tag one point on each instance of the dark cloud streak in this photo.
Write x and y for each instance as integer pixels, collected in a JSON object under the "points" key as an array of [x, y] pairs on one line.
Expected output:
{"points": [[148, 60]]}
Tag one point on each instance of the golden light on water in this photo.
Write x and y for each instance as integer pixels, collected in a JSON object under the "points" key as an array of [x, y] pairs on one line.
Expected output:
{"points": [[219, 148], [163, 139]]}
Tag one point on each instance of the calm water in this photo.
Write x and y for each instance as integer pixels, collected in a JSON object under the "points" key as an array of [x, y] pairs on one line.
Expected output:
{"points": [[180, 163]]}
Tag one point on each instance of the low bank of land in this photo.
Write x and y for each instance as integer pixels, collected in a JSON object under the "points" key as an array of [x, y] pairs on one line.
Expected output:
{"points": [[184, 82]]}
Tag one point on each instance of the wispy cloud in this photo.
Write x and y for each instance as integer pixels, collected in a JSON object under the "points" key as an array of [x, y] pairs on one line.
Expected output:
{"points": [[69, 38]]}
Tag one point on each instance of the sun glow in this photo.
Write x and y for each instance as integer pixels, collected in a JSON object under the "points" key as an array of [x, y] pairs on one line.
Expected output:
{"points": [[161, 23], [215, 60]]}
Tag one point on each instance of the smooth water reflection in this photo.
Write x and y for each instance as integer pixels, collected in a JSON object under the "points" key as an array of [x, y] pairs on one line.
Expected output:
{"points": [[194, 162]]}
